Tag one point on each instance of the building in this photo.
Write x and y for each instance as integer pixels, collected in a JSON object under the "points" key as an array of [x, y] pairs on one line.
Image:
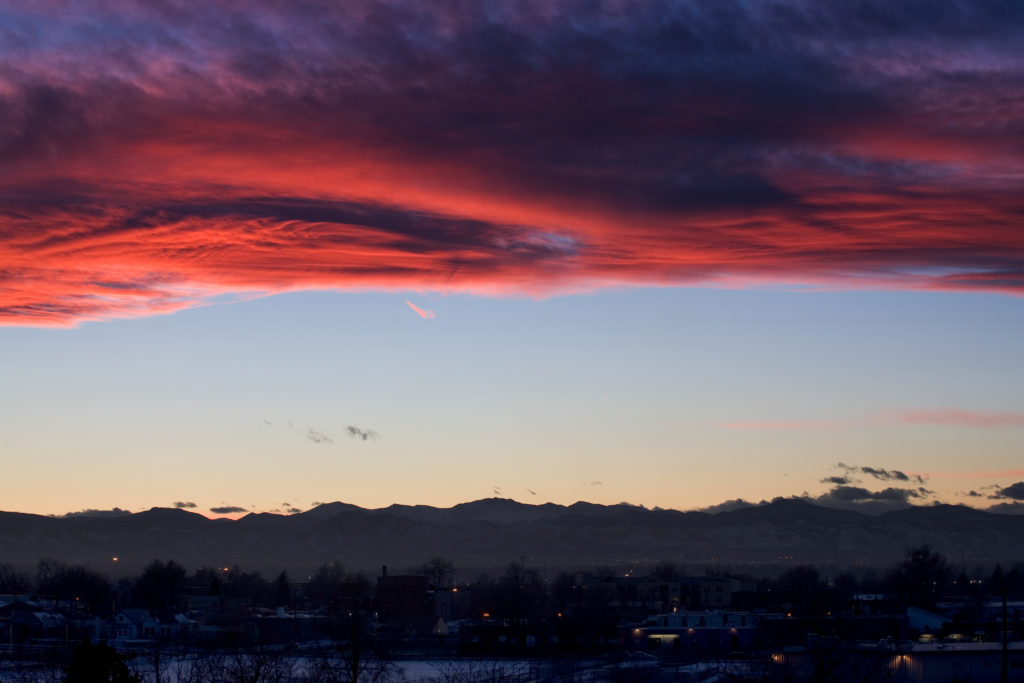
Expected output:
{"points": [[692, 633]]}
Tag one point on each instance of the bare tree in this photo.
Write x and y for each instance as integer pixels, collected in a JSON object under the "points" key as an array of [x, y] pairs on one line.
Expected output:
{"points": [[440, 573]]}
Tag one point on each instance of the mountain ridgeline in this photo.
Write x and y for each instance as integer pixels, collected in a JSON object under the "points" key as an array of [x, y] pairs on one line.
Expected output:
{"points": [[489, 533]]}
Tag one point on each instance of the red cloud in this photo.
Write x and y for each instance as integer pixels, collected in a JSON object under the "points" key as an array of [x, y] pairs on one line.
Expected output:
{"points": [[960, 418], [263, 150]]}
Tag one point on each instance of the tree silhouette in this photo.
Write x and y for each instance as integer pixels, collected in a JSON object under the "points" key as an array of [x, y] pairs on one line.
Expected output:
{"points": [[74, 585], [801, 585], [283, 590], [98, 663], [161, 585], [248, 587], [520, 593], [348, 598], [439, 572], [13, 582], [922, 577]]}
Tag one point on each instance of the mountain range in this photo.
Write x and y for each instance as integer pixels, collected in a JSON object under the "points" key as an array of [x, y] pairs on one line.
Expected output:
{"points": [[489, 533]]}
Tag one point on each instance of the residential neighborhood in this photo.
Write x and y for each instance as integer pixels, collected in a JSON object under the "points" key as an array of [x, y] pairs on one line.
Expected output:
{"points": [[917, 622]]}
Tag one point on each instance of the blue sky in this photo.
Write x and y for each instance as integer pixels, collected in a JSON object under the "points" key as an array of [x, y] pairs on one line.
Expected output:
{"points": [[634, 389]]}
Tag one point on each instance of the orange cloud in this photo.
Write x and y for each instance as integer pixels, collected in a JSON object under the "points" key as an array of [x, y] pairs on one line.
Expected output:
{"points": [[419, 311]]}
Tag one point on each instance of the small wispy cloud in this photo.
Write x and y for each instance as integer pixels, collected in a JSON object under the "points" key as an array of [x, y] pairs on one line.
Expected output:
{"points": [[423, 313], [850, 475], [891, 475], [733, 504], [91, 512], [361, 434], [595, 482], [184, 504], [227, 509], [317, 437], [1011, 492]]}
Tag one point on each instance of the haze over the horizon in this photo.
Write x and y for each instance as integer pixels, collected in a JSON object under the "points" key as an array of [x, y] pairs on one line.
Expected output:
{"points": [[256, 257]]}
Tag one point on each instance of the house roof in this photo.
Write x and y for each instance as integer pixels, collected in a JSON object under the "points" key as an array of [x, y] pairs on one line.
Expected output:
{"points": [[134, 614]]}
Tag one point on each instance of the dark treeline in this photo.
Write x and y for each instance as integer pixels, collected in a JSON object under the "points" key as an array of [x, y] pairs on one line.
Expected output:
{"points": [[519, 592]]}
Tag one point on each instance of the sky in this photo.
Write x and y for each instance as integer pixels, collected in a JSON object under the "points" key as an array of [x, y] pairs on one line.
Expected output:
{"points": [[256, 256]]}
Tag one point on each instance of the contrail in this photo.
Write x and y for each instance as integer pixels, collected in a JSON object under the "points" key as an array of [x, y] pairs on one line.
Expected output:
{"points": [[422, 313]]}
